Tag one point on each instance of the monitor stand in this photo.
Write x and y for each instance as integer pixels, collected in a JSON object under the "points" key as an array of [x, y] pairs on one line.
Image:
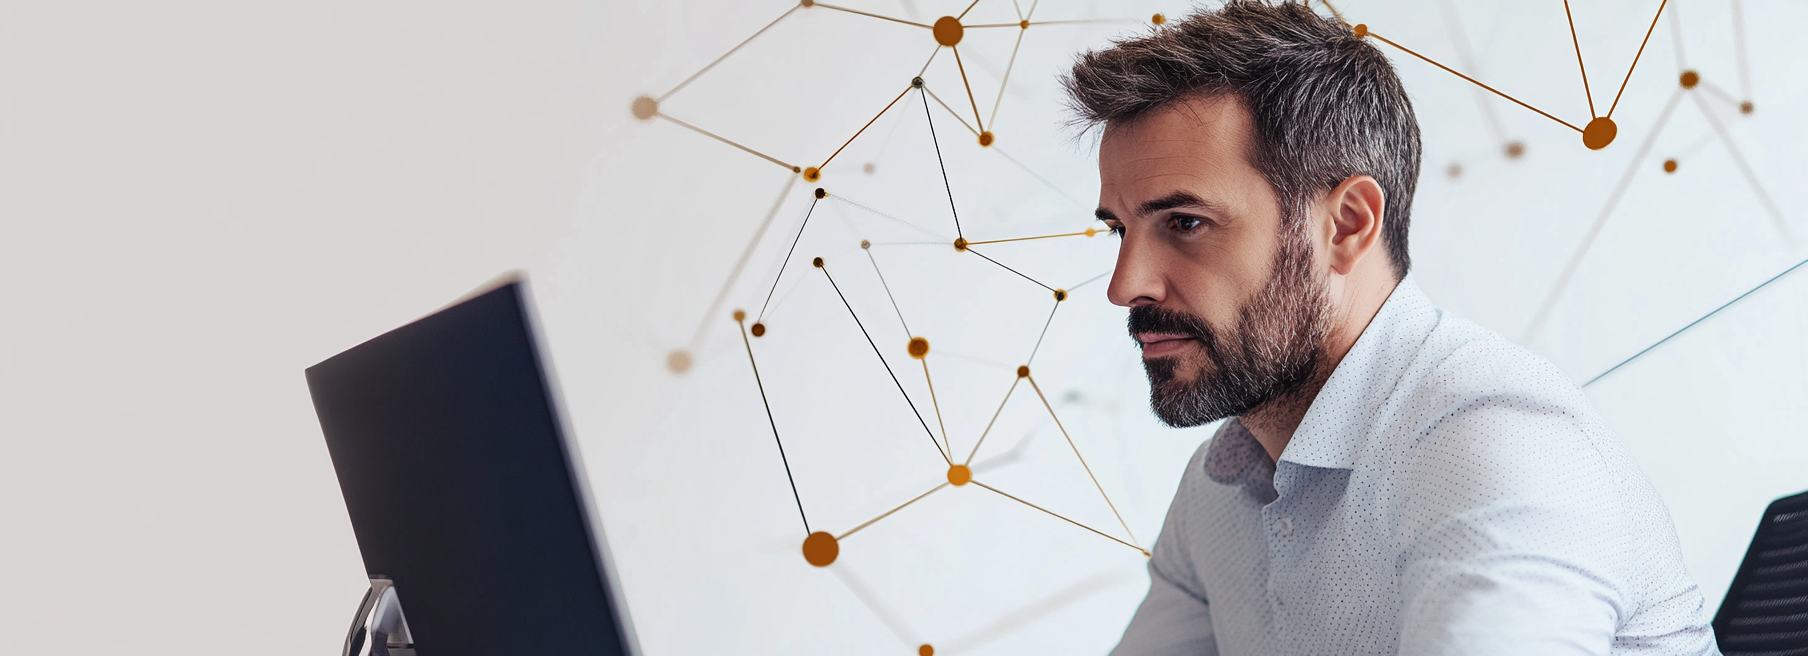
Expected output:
{"points": [[380, 616]]}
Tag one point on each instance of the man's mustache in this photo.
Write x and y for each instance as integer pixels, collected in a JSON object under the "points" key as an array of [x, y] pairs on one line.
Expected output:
{"points": [[1156, 319]]}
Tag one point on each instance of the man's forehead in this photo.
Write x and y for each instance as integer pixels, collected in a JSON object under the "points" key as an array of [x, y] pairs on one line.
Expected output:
{"points": [[1194, 118], [1198, 146]]}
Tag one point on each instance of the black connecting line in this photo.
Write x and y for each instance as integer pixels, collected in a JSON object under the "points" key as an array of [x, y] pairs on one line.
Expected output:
{"points": [[775, 438], [927, 118], [781, 267], [887, 365]]}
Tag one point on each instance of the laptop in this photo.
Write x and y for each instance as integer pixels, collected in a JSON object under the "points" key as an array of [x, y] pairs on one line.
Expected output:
{"points": [[466, 495]]}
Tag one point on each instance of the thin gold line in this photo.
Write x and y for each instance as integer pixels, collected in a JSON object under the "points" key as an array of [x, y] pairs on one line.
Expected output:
{"points": [[970, 7], [1594, 230], [1078, 21], [1019, 9], [894, 101], [888, 513], [938, 405], [1635, 58], [931, 60], [1578, 43], [735, 273], [1088, 468], [951, 112], [993, 119], [1335, 13], [717, 137], [725, 55], [862, 13], [969, 85], [1087, 233], [1473, 80], [1719, 93], [1750, 176], [1032, 12], [988, 431], [1051, 513]]}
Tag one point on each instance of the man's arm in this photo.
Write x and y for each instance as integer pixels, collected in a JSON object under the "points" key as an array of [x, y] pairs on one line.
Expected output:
{"points": [[1173, 620], [1530, 532], [1170, 622]]}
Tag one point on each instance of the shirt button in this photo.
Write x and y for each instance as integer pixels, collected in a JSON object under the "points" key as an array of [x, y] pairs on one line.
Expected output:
{"points": [[1284, 526]]}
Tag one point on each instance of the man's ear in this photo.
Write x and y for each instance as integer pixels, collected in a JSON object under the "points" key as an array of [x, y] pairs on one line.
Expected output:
{"points": [[1357, 210]]}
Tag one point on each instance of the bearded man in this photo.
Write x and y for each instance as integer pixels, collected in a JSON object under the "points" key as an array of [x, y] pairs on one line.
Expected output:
{"points": [[1392, 479]]}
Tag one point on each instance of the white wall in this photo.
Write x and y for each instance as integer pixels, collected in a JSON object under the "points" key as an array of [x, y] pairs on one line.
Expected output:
{"points": [[198, 200]]}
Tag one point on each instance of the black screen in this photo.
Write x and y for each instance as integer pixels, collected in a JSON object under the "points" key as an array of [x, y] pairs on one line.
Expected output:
{"points": [[453, 464]]}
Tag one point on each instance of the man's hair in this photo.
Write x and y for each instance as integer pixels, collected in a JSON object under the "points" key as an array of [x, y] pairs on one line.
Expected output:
{"points": [[1326, 105]]}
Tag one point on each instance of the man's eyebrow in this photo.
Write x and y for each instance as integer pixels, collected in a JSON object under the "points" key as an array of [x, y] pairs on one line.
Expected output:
{"points": [[1173, 200], [1103, 214]]}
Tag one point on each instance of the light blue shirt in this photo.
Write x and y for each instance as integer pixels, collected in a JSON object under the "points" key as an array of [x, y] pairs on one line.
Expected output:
{"points": [[1448, 492]]}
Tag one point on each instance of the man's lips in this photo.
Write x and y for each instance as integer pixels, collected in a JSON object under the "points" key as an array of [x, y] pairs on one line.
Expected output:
{"points": [[1157, 345]]}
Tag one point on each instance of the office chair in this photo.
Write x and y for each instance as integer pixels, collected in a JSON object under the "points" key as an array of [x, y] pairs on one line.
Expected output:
{"points": [[1766, 610]]}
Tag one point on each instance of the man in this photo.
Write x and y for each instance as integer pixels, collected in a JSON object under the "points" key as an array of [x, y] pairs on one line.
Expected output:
{"points": [[1392, 479]]}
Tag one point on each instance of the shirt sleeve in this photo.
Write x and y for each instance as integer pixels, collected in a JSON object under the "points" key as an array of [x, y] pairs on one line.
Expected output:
{"points": [[1517, 538], [1173, 619], [1170, 622]]}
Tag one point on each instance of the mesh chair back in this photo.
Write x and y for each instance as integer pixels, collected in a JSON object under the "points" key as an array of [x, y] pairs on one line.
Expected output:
{"points": [[1766, 610]]}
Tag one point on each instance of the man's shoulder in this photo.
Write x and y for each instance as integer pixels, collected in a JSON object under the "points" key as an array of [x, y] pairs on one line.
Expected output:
{"points": [[1463, 367]]}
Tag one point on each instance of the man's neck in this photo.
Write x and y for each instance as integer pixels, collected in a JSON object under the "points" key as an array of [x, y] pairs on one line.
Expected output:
{"points": [[1274, 422]]}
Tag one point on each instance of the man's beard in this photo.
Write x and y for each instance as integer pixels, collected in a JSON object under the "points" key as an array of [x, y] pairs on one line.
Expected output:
{"points": [[1274, 353]]}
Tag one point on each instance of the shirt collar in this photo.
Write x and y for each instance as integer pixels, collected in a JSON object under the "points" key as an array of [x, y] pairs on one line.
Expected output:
{"points": [[1335, 428]]}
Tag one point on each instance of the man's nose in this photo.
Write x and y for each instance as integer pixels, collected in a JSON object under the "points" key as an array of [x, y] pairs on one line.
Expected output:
{"points": [[1137, 278]]}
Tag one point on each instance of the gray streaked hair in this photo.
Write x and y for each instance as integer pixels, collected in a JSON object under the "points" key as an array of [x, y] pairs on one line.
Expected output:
{"points": [[1326, 105]]}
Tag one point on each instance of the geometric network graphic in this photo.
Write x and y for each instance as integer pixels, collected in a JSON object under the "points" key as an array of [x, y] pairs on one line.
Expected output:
{"points": [[949, 93]]}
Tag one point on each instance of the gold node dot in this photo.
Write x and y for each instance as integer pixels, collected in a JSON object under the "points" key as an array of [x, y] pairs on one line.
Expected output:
{"points": [[985, 138], [960, 244], [1690, 79], [1599, 133], [740, 315], [919, 348], [812, 174], [820, 549], [916, 82], [864, 244], [678, 361], [1092, 231], [644, 108], [1745, 107], [1060, 295], [926, 650], [1361, 30], [948, 31], [1669, 166], [821, 194], [1158, 19], [816, 263], [1023, 371], [808, 3], [795, 169], [868, 168], [960, 475], [1515, 150], [1454, 171], [758, 329], [1024, 25]]}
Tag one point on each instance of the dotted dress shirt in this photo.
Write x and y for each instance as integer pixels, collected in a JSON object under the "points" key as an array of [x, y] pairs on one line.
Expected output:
{"points": [[1448, 492]]}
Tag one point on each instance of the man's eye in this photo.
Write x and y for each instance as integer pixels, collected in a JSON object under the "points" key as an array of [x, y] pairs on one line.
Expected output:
{"points": [[1186, 223], [1117, 229]]}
